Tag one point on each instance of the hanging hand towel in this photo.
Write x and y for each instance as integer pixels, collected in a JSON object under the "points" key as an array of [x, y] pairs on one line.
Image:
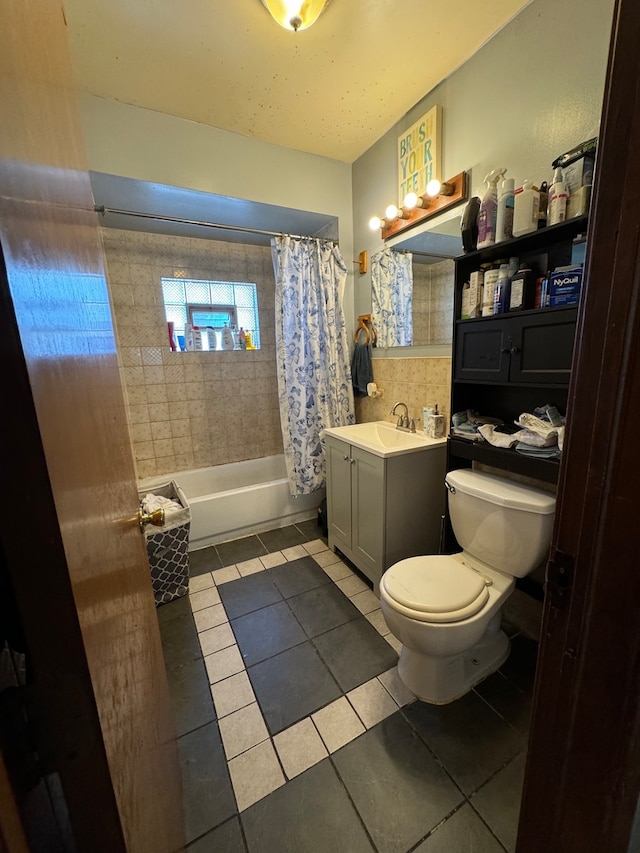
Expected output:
{"points": [[361, 369]]}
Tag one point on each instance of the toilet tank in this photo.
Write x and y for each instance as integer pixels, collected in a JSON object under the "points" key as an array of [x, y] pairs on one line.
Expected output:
{"points": [[504, 524]]}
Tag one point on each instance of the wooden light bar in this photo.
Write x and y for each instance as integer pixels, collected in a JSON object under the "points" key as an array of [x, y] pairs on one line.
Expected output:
{"points": [[438, 204]]}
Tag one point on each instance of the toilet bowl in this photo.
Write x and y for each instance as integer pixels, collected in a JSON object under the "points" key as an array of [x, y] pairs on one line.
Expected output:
{"points": [[446, 610]]}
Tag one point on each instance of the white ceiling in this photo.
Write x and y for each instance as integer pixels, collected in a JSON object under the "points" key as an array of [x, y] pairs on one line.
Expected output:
{"points": [[332, 90]]}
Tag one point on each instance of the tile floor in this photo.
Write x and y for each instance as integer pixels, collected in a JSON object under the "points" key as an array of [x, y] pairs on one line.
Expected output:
{"points": [[295, 733]]}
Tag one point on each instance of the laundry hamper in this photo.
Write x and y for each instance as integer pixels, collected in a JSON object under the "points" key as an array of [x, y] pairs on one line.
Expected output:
{"points": [[168, 546]]}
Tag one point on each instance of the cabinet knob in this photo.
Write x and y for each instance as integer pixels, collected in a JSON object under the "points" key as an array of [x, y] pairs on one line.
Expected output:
{"points": [[353, 461], [514, 350], [346, 458], [505, 350]]}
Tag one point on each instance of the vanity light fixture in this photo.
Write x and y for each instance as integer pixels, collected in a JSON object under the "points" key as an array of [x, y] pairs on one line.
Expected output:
{"points": [[295, 15], [416, 208]]}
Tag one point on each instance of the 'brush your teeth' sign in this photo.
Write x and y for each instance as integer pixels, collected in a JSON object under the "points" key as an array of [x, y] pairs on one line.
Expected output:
{"points": [[419, 153]]}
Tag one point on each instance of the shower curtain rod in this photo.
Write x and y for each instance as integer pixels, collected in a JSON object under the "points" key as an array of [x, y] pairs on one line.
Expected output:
{"points": [[427, 254], [102, 209]]}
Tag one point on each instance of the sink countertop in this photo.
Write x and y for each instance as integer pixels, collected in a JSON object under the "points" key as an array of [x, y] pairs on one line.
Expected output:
{"points": [[383, 439]]}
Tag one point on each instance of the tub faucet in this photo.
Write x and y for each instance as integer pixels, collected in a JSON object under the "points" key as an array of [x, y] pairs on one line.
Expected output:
{"points": [[405, 423]]}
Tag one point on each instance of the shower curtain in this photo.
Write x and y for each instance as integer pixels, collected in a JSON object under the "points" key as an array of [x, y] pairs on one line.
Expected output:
{"points": [[391, 297], [314, 374]]}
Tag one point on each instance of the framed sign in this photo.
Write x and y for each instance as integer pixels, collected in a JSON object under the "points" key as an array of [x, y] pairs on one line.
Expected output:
{"points": [[419, 154]]}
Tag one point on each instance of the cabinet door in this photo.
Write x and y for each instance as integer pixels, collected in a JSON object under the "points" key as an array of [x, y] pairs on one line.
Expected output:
{"points": [[542, 347], [482, 351], [368, 510], [339, 491]]}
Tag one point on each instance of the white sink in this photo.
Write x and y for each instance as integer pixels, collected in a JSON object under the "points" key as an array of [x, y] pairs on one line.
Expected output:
{"points": [[383, 439]]}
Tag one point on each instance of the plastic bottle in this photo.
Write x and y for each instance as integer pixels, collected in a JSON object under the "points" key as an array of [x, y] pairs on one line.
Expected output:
{"points": [[557, 200], [490, 282], [227, 338], [242, 339], [501, 290], [489, 210], [525, 209], [504, 221], [544, 204]]}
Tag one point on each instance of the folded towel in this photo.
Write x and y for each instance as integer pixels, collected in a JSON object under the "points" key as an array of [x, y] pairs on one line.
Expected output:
{"points": [[497, 439], [361, 369]]}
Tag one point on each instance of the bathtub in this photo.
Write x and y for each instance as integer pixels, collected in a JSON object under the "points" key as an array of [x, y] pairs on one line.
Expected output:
{"points": [[238, 499]]}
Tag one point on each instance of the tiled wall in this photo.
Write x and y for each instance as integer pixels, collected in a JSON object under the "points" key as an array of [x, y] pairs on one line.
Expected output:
{"points": [[418, 382], [190, 410], [432, 303]]}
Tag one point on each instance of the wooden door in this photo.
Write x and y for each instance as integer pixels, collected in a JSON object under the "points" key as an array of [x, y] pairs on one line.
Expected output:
{"points": [[583, 768], [97, 693]]}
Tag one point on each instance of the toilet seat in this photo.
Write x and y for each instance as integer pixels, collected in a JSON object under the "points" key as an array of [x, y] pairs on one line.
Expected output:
{"points": [[435, 589]]}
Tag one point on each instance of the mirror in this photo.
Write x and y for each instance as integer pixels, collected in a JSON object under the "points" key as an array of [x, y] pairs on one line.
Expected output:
{"points": [[433, 246]]}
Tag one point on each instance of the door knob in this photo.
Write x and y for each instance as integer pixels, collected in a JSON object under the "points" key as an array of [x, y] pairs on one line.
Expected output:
{"points": [[155, 517]]}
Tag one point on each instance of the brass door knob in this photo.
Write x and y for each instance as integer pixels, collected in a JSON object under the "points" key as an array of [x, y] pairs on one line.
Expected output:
{"points": [[156, 517]]}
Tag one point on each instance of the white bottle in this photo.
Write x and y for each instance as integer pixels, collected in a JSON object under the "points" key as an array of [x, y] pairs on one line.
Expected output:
{"points": [[489, 210], [557, 200], [504, 221], [525, 209], [227, 338]]}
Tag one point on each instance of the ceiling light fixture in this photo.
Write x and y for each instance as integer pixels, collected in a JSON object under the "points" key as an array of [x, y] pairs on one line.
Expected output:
{"points": [[295, 14]]}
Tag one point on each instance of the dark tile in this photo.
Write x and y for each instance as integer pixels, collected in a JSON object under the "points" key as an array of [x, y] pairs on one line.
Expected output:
{"points": [[291, 686], [322, 609], [282, 537], [173, 609], [512, 703], [520, 666], [310, 814], [204, 560], [206, 788], [298, 576], [311, 530], [239, 550], [498, 802], [468, 737], [224, 839], [266, 632], [396, 785], [355, 652], [190, 696], [247, 594], [463, 832], [179, 639]]}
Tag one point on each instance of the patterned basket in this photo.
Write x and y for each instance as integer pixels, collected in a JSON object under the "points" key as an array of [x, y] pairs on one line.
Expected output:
{"points": [[168, 550]]}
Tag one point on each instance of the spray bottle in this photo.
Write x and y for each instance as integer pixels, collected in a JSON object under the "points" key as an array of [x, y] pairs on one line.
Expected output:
{"points": [[489, 209]]}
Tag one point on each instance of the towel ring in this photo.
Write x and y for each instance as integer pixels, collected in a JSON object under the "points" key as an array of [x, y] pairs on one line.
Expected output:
{"points": [[365, 324]]}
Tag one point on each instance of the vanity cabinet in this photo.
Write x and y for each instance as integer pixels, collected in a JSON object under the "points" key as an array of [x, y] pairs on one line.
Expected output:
{"points": [[382, 509], [517, 361]]}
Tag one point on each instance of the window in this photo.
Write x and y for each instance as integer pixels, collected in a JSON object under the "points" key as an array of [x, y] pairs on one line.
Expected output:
{"points": [[213, 305]]}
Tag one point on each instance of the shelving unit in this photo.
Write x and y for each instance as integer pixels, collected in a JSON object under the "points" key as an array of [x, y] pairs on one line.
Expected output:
{"points": [[513, 362]]}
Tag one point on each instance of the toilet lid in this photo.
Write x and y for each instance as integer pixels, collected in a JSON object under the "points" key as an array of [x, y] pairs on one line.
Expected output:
{"points": [[435, 589]]}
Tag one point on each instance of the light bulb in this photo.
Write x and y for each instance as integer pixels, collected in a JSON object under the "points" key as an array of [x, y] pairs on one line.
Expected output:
{"points": [[391, 212], [433, 188], [410, 201], [375, 223]]}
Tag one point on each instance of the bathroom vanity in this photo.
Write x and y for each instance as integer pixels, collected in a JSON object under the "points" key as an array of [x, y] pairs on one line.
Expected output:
{"points": [[385, 494]]}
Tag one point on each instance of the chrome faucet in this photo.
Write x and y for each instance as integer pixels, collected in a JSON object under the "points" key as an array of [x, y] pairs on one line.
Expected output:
{"points": [[405, 423]]}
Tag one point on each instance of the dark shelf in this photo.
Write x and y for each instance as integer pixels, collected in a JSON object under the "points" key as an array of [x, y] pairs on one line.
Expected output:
{"points": [[504, 458], [526, 313], [532, 242]]}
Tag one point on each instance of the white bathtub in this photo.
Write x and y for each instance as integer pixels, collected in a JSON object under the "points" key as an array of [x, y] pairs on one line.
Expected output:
{"points": [[238, 499]]}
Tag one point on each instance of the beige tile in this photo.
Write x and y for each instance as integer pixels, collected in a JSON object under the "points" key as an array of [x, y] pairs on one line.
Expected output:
{"points": [[326, 558], [210, 617], [224, 663], [294, 553], [275, 558], [299, 747], [337, 571], [232, 693], [254, 774], [394, 642], [205, 598], [377, 620], [338, 724], [372, 702], [351, 586], [229, 573], [201, 582], [250, 567], [366, 601], [315, 546], [245, 728], [217, 638], [395, 687]]}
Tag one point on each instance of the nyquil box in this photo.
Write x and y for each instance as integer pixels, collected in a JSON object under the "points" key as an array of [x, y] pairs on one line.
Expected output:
{"points": [[564, 286]]}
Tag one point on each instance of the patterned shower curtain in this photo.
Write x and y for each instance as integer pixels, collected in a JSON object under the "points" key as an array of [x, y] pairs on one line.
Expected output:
{"points": [[314, 374], [392, 296]]}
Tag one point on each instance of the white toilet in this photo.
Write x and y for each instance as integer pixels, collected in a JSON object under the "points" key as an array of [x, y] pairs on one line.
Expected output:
{"points": [[446, 610]]}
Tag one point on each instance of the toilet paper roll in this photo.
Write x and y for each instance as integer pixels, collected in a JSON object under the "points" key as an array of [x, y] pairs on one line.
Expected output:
{"points": [[372, 389]]}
